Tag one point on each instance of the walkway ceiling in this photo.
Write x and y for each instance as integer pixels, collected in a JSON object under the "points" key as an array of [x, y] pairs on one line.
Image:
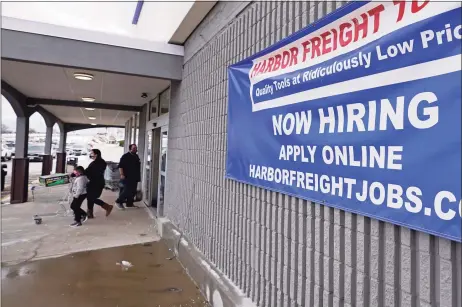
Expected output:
{"points": [[39, 60], [117, 96]]}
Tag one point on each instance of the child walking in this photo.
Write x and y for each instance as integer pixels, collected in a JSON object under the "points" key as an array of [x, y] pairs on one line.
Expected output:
{"points": [[79, 193]]}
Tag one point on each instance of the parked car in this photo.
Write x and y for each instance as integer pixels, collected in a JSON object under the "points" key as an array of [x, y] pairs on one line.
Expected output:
{"points": [[4, 173], [11, 146], [54, 150], [35, 152], [6, 153], [78, 150]]}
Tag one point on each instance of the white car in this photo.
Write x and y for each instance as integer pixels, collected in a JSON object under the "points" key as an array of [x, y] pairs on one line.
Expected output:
{"points": [[78, 150], [6, 153]]}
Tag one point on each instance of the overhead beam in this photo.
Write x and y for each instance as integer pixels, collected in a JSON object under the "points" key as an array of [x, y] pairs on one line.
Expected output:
{"points": [[82, 104], [63, 52], [69, 127]]}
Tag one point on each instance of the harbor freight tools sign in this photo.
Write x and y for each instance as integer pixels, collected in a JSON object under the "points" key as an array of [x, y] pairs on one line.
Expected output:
{"points": [[360, 111]]}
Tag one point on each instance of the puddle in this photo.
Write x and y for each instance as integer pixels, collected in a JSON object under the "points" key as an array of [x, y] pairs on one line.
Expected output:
{"points": [[92, 279]]}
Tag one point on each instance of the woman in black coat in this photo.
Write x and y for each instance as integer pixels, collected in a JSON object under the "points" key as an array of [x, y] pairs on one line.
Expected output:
{"points": [[95, 173]]}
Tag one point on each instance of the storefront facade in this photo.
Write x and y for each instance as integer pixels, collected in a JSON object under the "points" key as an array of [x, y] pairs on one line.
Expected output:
{"points": [[279, 250]]}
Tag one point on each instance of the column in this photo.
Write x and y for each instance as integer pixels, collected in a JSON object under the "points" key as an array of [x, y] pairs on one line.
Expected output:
{"points": [[47, 164], [20, 165], [61, 154], [136, 126]]}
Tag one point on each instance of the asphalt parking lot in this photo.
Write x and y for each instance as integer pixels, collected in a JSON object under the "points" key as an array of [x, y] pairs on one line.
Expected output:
{"points": [[109, 153]]}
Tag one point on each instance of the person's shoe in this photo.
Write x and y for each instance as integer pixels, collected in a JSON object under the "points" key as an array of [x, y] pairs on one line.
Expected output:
{"points": [[90, 214], [108, 209], [120, 206], [84, 219], [131, 206], [76, 224]]}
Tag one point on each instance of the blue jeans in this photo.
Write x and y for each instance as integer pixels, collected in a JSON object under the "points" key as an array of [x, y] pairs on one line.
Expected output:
{"points": [[127, 192]]}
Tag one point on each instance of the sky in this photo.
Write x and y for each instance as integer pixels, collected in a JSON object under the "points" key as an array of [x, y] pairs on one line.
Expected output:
{"points": [[158, 20], [9, 118]]}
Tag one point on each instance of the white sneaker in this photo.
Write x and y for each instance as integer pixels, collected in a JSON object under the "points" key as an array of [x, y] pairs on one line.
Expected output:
{"points": [[84, 219]]}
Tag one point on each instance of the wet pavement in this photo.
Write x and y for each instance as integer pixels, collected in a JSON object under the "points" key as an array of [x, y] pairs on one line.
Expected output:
{"points": [[93, 278]]}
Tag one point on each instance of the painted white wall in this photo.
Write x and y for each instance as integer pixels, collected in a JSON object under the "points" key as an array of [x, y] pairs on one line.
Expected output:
{"points": [[158, 20]]}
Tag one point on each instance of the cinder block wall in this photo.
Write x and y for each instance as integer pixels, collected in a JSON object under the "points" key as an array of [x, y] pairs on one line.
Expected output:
{"points": [[280, 250]]}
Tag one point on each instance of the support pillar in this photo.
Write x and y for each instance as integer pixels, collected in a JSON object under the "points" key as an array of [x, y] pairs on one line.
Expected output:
{"points": [[20, 165], [61, 154], [47, 163]]}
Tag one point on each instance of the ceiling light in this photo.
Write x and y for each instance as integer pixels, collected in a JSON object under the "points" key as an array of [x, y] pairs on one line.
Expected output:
{"points": [[93, 124], [92, 118], [88, 99], [83, 76], [89, 109]]}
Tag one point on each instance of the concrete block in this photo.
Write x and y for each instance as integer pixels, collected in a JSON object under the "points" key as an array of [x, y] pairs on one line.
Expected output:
{"points": [[338, 251], [294, 226], [349, 285], [274, 270], [327, 237], [300, 290], [424, 242], [279, 276], [359, 295], [444, 282], [301, 258], [444, 248], [390, 295], [374, 292], [405, 269], [287, 223], [360, 247], [390, 261], [285, 279], [405, 298], [308, 292], [318, 259], [337, 277], [375, 253], [302, 231], [318, 296], [328, 273], [425, 281]]}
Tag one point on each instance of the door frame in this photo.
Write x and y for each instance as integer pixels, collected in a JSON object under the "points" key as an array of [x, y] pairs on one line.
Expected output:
{"points": [[157, 125], [160, 206]]}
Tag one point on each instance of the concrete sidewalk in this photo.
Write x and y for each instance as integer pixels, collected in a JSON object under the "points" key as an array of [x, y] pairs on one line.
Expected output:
{"points": [[23, 240]]}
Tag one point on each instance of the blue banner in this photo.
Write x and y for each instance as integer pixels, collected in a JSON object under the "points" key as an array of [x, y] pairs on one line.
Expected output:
{"points": [[360, 111]]}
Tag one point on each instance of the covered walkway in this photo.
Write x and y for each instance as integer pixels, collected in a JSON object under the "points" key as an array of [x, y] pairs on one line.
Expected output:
{"points": [[78, 85]]}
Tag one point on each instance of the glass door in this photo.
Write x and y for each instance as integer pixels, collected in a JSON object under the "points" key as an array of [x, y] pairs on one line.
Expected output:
{"points": [[147, 171], [162, 169]]}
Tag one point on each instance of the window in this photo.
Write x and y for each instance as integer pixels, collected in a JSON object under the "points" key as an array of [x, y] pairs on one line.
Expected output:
{"points": [[154, 106], [164, 101]]}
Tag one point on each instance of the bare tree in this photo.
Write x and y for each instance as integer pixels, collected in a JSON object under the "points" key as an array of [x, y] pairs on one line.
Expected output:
{"points": [[6, 129], [32, 130]]}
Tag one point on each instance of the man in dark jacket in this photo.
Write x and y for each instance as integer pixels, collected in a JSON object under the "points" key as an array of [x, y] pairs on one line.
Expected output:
{"points": [[95, 173], [130, 175]]}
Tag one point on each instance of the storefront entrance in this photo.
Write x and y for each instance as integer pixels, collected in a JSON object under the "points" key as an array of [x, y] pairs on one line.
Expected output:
{"points": [[156, 169]]}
